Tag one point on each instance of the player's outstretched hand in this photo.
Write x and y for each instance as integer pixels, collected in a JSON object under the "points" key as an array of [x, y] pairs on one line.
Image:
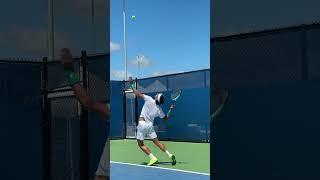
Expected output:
{"points": [[172, 106]]}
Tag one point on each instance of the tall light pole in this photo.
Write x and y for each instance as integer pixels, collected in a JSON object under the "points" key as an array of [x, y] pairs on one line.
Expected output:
{"points": [[139, 60], [124, 42], [93, 26], [50, 34]]}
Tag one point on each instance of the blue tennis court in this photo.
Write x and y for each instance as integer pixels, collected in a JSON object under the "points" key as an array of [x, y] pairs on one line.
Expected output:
{"points": [[120, 171]]}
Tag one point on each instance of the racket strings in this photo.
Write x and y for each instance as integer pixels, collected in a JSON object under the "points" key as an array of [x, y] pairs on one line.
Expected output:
{"points": [[175, 95]]}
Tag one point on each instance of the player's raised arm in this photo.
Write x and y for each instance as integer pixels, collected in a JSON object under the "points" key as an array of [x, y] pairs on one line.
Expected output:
{"points": [[137, 93], [73, 80], [134, 89], [89, 103], [168, 115]]}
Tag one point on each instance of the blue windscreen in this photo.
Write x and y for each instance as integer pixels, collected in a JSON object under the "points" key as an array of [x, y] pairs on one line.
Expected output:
{"points": [[20, 130], [190, 119]]}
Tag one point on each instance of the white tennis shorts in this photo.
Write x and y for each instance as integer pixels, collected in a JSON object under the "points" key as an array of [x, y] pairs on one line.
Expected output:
{"points": [[145, 129], [104, 164]]}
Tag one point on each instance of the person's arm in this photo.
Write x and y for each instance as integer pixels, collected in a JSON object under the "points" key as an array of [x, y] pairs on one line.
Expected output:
{"points": [[73, 80], [89, 103], [138, 94], [168, 115], [135, 91]]}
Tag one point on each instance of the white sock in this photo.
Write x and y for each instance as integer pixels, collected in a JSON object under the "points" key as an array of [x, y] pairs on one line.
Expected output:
{"points": [[151, 156], [169, 154]]}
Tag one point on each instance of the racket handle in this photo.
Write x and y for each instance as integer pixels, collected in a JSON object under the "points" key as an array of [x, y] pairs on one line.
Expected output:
{"points": [[174, 103], [169, 112]]}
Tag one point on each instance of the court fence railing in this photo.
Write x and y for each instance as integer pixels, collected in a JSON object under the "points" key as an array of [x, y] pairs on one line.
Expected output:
{"points": [[58, 102]]}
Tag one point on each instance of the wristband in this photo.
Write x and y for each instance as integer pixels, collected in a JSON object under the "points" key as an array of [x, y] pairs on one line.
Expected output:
{"points": [[72, 77], [133, 85]]}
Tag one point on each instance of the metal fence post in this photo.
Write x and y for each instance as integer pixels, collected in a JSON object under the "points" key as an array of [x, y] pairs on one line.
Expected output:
{"points": [[124, 106], [46, 122], [213, 144], [84, 144], [136, 106]]}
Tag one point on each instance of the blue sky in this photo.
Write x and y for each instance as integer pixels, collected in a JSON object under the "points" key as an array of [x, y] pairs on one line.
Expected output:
{"points": [[169, 36]]}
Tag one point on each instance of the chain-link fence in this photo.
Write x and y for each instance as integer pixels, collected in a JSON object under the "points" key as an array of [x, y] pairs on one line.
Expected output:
{"points": [[288, 54], [262, 58], [44, 123]]}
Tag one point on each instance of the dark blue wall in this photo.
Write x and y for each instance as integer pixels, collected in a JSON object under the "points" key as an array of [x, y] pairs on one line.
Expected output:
{"points": [[116, 120], [270, 132], [98, 134], [190, 119], [20, 130]]}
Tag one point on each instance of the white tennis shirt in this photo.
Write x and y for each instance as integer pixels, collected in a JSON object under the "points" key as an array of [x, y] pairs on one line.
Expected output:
{"points": [[150, 109]]}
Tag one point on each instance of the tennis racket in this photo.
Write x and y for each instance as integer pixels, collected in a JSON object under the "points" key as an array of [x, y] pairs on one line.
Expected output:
{"points": [[175, 96]]}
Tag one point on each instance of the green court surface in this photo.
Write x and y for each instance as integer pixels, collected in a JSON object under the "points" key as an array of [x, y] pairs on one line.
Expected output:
{"points": [[190, 156]]}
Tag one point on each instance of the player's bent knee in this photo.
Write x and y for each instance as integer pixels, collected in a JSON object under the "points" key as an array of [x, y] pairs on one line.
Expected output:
{"points": [[140, 143], [156, 141]]}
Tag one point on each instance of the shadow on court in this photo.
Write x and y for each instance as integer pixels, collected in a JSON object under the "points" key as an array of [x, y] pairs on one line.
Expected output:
{"points": [[165, 163]]}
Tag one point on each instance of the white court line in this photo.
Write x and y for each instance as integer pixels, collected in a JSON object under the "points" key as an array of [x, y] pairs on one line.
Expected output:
{"points": [[155, 167]]}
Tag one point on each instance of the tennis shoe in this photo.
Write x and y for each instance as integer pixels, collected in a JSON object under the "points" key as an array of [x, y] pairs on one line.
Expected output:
{"points": [[173, 158], [152, 161]]}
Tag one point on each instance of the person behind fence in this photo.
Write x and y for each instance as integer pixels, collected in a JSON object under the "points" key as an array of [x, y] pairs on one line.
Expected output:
{"points": [[150, 110], [90, 104]]}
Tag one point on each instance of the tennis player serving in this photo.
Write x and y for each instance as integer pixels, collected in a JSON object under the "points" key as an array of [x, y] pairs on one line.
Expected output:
{"points": [[90, 104], [150, 110]]}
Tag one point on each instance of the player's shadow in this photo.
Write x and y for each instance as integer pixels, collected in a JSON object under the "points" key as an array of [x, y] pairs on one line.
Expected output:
{"points": [[165, 163]]}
